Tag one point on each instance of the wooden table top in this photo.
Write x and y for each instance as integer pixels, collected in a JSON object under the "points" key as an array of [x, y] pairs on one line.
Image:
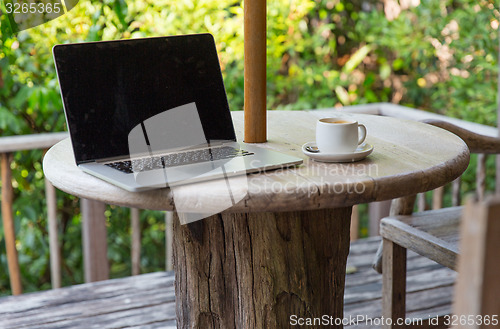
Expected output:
{"points": [[409, 157]]}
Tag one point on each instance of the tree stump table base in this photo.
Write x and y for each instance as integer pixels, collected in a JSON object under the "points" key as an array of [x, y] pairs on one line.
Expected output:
{"points": [[261, 270]]}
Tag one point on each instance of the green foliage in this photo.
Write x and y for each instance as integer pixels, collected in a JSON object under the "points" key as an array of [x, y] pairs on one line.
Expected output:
{"points": [[440, 56]]}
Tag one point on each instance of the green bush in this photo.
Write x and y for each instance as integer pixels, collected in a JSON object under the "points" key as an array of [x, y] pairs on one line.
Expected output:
{"points": [[440, 56]]}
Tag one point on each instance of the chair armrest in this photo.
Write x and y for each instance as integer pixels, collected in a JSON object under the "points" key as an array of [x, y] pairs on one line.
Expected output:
{"points": [[477, 143]]}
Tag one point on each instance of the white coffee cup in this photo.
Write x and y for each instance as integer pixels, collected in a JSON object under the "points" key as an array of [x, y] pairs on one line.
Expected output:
{"points": [[339, 135]]}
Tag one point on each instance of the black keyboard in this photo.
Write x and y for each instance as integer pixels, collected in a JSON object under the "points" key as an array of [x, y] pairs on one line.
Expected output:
{"points": [[177, 159]]}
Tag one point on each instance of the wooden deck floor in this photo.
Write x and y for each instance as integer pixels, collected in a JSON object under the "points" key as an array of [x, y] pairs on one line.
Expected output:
{"points": [[147, 301]]}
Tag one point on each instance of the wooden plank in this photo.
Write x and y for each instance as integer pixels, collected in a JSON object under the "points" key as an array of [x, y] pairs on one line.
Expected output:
{"points": [[433, 234], [146, 301], [393, 283], [255, 70], [110, 304], [437, 198], [94, 239], [8, 224], [135, 220], [478, 286], [30, 142], [417, 279], [55, 251]]}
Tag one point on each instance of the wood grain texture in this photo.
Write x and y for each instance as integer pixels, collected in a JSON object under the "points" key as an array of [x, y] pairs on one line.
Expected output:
{"points": [[433, 234], [255, 104], [147, 301], [406, 160], [143, 301], [256, 270], [393, 284], [478, 286], [8, 224]]}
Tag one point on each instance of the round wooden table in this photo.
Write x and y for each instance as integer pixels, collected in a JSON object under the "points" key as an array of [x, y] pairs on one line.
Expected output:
{"points": [[279, 255]]}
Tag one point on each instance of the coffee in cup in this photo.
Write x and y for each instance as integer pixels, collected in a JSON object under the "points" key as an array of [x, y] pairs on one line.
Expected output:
{"points": [[339, 135]]}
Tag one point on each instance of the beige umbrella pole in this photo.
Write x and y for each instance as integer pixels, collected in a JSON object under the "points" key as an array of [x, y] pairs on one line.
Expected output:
{"points": [[255, 71]]}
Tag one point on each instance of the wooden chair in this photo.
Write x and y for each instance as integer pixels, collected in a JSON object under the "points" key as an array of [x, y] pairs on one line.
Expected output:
{"points": [[478, 286], [433, 234]]}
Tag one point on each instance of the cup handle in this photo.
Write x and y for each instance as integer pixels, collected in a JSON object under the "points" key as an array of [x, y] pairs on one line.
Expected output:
{"points": [[363, 134]]}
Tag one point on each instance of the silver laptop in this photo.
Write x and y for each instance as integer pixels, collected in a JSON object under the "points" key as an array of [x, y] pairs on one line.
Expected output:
{"points": [[153, 112]]}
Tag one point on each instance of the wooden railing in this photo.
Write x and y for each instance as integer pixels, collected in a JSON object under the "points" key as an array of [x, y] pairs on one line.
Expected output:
{"points": [[8, 145], [93, 223], [93, 226]]}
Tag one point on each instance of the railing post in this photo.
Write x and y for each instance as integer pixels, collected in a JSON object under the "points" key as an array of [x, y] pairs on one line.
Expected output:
{"points": [[437, 198], [421, 202], [481, 176], [255, 71], [8, 224], [135, 219], [169, 240], [456, 199], [94, 238], [377, 211], [55, 251]]}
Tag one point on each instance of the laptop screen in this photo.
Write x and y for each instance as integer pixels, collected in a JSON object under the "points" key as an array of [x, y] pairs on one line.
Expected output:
{"points": [[110, 87]]}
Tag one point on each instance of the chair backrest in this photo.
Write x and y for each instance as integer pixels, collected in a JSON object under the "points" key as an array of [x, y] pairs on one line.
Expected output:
{"points": [[477, 291]]}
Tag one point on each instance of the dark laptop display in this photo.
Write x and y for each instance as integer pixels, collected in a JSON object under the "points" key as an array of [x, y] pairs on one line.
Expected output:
{"points": [[110, 87]]}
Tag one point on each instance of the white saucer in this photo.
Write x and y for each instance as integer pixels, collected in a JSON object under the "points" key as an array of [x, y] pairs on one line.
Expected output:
{"points": [[359, 154]]}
